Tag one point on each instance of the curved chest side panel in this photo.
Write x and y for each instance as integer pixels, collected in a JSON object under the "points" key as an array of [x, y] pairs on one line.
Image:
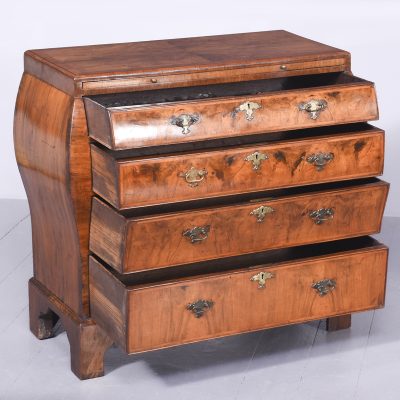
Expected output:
{"points": [[49, 132]]}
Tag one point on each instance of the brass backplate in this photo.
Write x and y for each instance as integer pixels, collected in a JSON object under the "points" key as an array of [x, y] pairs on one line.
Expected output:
{"points": [[197, 234], [184, 121], [261, 212], [199, 307], [261, 278], [248, 107], [314, 107], [324, 286], [319, 160], [321, 215], [256, 159], [194, 176]]}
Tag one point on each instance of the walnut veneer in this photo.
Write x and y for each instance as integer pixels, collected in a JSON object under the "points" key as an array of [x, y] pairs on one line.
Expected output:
{"points": [[188, 189]]}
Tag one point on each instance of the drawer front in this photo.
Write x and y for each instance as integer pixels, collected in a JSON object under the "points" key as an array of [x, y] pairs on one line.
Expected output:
{"points": [[178, 122], [185, 237], [150, 181], [194, 309]]}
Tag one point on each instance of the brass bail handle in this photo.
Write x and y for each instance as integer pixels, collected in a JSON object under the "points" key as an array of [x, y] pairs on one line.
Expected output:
{"points": [[320, 159], [324, 286], [197, 234], [184, 121], [261, 212], [199, 307], [194, 176], [321, 215], [313, 107]]}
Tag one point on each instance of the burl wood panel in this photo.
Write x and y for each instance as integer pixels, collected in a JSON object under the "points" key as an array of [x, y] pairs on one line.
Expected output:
{"points": [[157, 241], [181, 62], [150, 125], [238, 304], [136, 182], [53, 155]]}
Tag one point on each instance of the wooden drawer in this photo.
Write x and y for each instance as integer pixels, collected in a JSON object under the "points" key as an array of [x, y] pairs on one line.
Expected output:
{"points": [[127, 182], [198, 307], [167, 116], [297, 217]]}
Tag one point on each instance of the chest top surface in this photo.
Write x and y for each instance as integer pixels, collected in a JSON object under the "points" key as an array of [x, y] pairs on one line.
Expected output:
{"points": [[64, 67]]}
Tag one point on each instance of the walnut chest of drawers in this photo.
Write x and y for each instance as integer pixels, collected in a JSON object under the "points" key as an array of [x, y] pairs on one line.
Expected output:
{"points": [[188, 189]]}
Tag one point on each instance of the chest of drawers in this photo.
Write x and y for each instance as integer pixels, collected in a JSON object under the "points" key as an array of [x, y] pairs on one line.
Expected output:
{"points": [[188, 189]]}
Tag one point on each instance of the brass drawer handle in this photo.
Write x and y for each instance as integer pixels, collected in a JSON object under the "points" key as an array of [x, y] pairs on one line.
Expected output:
{"points": [[184, 121], [313, 107], [194, 176], [319, 160], [256, 158], [197, 234], [324, 286], [261, 278], [261, 212], [199, 307], [248, 107], [321, 215]]}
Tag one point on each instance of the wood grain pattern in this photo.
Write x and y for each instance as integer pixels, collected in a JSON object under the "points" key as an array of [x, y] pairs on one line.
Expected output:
{"points": [[52, 152], [107, 231], [174, 62], [80, 185], [109, 303], [239, 305], [157, 241], [135, 126], [142, 181]]}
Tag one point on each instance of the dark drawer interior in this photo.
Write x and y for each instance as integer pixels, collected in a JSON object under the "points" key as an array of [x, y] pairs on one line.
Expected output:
{"points": [[244, 140], [246, 88], [247, 197], [267, 258]]}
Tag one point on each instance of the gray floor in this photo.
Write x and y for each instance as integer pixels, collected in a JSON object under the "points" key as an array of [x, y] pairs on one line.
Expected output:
{"points": [[296, 362]]}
